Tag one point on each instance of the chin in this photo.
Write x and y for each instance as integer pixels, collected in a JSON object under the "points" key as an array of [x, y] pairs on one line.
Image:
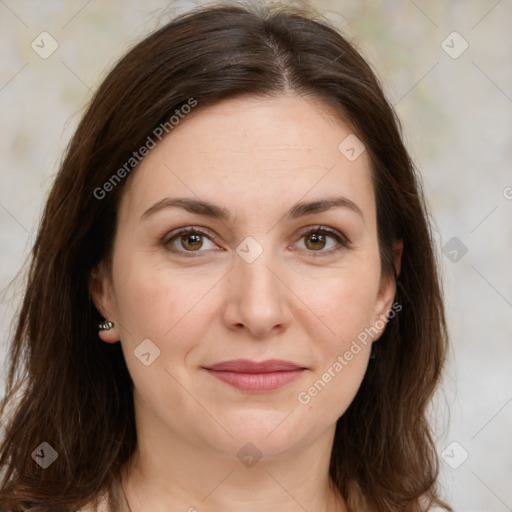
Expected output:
{"points": [[270, 432]]}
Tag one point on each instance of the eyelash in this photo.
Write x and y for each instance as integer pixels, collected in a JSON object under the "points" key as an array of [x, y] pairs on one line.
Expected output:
{"points": [[343, 242]]}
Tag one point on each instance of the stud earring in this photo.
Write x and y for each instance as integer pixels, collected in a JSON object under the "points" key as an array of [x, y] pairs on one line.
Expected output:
{"points": [[106, 325]]}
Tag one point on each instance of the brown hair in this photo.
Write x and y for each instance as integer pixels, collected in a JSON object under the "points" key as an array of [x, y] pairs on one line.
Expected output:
{"points": [[71, 390]]}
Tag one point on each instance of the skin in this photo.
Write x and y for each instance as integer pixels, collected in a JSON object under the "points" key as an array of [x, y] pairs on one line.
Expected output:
{"points": [[257, 158]]}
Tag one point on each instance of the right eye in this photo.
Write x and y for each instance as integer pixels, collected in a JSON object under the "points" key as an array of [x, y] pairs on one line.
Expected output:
{"points": [[190, 239]]}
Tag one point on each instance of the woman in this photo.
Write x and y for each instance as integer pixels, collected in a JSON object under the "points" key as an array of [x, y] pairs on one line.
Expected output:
{"points": [[233, 299]]}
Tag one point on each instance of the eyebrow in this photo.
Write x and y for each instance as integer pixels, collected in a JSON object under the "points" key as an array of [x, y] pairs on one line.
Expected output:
{"points": [[214, 211]]}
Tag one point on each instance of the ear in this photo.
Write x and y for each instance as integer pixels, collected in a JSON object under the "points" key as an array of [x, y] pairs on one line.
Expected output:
{"points": [[100, 288], [387, 289]]}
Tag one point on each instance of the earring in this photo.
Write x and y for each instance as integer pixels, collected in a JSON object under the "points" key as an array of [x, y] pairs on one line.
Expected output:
{"points": [[372, 352], [106, 325]]}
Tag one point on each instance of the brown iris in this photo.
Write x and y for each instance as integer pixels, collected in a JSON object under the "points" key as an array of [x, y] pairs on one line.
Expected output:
{"points": [[316, 239], [192, 241]]}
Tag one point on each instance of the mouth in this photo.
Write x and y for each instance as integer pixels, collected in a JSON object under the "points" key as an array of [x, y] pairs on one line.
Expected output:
{"points": [[255, 376]]}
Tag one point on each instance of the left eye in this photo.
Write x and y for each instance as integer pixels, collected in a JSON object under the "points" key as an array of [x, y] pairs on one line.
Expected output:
{"points": [[318, 240], [191, 240]]}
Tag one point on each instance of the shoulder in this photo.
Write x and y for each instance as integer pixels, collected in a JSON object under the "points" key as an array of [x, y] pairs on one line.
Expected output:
{"points": [[111, 499], [102, 506], [91, 508]]}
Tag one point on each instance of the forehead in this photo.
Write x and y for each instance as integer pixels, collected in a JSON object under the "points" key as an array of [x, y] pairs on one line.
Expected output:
{"points": [[253, 151]]}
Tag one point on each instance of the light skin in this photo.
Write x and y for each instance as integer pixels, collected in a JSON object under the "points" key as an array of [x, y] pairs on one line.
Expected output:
{"points": [[204, 304]]}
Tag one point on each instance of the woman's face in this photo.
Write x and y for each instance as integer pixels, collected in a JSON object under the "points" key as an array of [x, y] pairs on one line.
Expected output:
{"points": [[260, 282]]}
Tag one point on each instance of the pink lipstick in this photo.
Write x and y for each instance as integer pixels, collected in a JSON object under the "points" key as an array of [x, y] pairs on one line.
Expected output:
{"points": [[256, 376]]}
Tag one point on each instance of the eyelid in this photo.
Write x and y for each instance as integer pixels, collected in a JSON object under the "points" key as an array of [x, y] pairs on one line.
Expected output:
{"points": [[327, 230], [166, 240], [341, 239]]}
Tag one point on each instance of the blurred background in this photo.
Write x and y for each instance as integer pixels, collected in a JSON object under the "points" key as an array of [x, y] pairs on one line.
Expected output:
{"points": [[446, 66]]}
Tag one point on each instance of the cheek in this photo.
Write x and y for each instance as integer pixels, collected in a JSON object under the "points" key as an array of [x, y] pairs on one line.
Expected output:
{"points": [[156, 305], [153, 300], [348, 315], [170, 308], [342, 355], [345, 304], [330, 392]]}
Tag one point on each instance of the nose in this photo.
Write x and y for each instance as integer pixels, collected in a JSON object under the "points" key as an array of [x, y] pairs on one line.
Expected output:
{"points": [[257, 297]]}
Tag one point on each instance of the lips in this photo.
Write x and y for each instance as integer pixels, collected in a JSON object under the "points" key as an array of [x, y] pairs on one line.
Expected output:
{"points": [[248, 366], [255, 376]]}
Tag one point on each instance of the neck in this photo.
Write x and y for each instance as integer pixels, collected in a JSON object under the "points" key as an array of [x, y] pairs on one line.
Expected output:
{"points": [[178, 476], [249, 466]]}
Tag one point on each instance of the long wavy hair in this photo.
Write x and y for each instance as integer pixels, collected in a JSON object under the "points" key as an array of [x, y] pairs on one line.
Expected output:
{"points": [[68, 389]]}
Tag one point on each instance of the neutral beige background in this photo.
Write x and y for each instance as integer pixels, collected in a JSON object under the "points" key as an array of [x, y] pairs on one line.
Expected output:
{"points": [[457, 118]]}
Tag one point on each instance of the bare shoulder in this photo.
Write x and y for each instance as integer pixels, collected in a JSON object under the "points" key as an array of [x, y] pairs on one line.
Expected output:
{"points": [[101, 507], [118, 503], [91, 508]]}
